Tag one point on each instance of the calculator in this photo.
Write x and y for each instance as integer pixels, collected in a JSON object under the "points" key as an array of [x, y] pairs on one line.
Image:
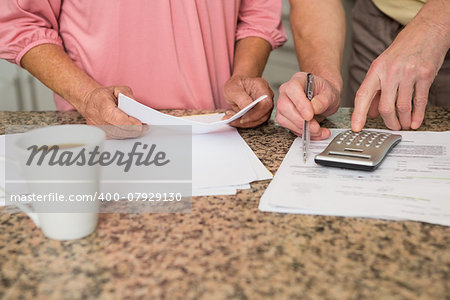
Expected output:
{"points": [[363, 150]]}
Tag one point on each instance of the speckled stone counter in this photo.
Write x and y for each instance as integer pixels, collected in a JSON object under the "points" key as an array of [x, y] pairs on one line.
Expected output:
{"points": [[226, 248]]}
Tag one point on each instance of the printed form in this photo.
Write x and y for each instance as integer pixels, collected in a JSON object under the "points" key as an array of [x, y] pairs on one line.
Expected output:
{"points": [[413, 183]]}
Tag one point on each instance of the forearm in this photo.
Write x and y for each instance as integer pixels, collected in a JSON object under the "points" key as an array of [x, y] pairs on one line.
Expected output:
{"points": [[434, 18], [53, 67], [251, 56], [318, 28]]}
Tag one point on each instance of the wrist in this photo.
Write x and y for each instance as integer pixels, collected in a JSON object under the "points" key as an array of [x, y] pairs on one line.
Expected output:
{"points": [[246, 72], [334, 78], [80, 99], [336, 82], [442, 30], [328, 71]]}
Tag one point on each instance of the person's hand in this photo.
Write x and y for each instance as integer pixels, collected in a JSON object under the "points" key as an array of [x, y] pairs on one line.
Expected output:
{"points": [[241, 91], [100, 109], [398, 81], [293, 107]]}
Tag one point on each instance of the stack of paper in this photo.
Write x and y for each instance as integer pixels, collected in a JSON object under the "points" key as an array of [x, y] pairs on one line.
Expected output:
{"points": [[412, 183], [222, 161]]}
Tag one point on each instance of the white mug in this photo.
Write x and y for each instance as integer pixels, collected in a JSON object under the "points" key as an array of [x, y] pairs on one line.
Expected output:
{"points": [[61, 198]]}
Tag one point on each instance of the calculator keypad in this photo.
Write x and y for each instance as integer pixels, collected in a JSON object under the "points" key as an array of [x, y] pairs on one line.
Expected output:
{"points": [[363, 139]]}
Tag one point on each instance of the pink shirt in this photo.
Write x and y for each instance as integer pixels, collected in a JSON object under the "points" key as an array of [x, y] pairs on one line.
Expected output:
{"points": [[172, 53]]}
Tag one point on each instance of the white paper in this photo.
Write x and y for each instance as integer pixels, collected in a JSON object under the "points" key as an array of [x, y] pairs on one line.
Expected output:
{"points": [[151, 116], [413, 183], [218, 191], [223, 158], [222, 163]]}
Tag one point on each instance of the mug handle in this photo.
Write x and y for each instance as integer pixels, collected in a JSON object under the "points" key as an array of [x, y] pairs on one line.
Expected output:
{"points": [[27, 210]]}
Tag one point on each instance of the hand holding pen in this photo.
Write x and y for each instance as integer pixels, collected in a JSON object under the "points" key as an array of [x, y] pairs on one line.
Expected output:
{"points": [[293, 107]]}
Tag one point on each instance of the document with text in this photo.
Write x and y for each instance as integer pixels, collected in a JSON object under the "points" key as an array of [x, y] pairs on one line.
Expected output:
{"points": [[412, 183]]}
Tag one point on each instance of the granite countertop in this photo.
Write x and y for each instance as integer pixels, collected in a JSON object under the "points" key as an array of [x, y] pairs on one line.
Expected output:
{"points": [[226, 247]]}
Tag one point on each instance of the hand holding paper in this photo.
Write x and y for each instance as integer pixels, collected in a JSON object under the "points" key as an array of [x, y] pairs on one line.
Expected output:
{"points": [[239, 91], [153, 117]]}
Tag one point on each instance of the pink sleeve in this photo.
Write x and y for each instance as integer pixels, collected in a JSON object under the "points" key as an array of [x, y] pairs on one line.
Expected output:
{"points": [[261, 18], [25, 24]]}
